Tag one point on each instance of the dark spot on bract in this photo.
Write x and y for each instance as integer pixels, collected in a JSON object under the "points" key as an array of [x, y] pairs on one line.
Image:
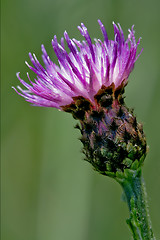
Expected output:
{"points": [[106, 101], [79, 114], [118, 92], [121, 99], [77, 126], [103, 91], [97, 115], [134, 123], [126, 136], [82, 103], [113, 126], [121, 113], [111, 145], [88, 127]]}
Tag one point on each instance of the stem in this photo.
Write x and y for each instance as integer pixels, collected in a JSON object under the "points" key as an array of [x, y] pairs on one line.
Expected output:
{"points": [[134, 189]]}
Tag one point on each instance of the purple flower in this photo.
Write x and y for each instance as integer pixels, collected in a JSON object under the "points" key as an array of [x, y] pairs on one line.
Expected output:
{"points": [[83, 71], [89, 83]]}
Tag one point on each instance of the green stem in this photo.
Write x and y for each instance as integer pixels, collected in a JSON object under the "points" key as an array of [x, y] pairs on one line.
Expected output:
{"points": [[134, 189]]}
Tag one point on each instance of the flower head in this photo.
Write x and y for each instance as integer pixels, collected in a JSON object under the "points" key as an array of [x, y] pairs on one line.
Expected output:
{"points": [[83, 71], [89, 83]]}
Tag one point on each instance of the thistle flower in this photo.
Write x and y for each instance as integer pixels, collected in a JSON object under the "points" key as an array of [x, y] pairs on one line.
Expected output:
{"points": [[82, 72], [89, 83]]}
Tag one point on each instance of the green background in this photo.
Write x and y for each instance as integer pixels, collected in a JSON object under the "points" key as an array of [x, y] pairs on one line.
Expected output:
{"points": [[48, 191]]}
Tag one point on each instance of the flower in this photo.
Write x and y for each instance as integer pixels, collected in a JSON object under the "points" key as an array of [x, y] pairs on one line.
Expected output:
{"points": [[82, 72], [89, 83]]}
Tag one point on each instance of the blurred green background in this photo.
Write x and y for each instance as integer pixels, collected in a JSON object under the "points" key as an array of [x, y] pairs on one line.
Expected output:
{"points": [[48, 191]]}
